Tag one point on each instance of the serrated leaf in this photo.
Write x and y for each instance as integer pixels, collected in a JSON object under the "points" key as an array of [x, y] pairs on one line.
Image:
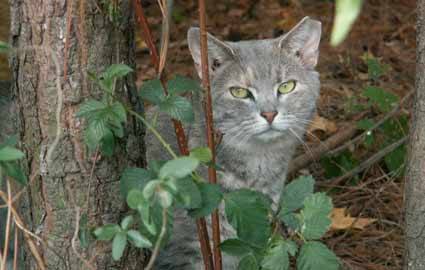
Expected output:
{"points": [[138, 240], [291, 221], [180, 84], [248, 262], [188, 193], [8, 153], [94, 133], [152, 91], [107, 145], [276, 257], [177, 107], [116, 71], [235, 247], [118, 109], [294, 193], [118, 245], [127, 222], [89, 107], [247, 212], [106, 232], [315, 220], [134, 178], [315, 255], [13, 170], [203, 154], [211, 198], [383, 99], [179, 167], [345, 15]]}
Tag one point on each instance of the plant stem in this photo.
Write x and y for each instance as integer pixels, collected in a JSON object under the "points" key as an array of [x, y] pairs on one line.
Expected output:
{"points": [[154, 132], [212, 174], [159, 240]]}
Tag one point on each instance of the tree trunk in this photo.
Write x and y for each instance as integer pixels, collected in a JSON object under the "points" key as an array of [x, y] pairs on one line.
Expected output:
{"points": [[415, 184], [64, 181]]}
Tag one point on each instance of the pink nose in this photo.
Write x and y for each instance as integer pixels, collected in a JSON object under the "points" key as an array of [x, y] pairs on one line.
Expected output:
{"points": [[269, 116]]}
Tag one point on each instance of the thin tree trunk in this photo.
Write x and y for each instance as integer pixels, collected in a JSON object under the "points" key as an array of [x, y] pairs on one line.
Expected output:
{"points": [[415, 178], [39, 31]]}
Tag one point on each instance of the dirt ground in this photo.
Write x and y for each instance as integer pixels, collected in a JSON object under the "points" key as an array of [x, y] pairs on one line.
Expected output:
{"points": [[386, 30]]}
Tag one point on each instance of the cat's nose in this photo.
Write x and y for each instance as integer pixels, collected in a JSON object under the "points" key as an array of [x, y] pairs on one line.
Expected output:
{"points": [[269, 116]]}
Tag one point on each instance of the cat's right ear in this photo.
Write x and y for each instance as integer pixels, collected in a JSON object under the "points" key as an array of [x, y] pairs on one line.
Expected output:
{"points": [[218, 51]]}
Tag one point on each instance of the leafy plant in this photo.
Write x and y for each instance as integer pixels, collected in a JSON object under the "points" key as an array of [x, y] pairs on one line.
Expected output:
{"points": [[9, 157]]}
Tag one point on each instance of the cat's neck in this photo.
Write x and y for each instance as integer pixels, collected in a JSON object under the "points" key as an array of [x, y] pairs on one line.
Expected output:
{"points": [[259, 166]]}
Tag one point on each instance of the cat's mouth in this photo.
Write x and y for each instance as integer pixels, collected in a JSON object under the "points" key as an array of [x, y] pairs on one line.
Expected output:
{"points": [[269, 134]]}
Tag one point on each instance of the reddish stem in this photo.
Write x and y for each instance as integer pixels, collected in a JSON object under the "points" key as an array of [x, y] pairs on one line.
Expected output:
{"points": [[212, 175], [180, 134]]}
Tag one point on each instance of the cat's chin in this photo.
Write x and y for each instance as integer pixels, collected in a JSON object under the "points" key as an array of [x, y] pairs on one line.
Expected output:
{"points": [[269, 136]]}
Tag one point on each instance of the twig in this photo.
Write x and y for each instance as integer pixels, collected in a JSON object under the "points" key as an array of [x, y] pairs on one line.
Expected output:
{"points": [[8, 224], [212, 174], [19, 194], [15, 250], [179, 131], [159, 240], [366, 164], [74, 240], [376, 125]]}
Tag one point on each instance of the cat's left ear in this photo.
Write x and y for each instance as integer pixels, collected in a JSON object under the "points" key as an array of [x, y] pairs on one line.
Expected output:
{"points": [[303, 41], [219, 52]]}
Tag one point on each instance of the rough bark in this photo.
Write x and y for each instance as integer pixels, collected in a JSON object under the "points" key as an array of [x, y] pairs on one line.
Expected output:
{"points": [[38, 31], [415, 178]]}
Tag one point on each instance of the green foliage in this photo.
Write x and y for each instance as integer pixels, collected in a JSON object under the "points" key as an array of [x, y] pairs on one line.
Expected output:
{"points": [[9, 157], [384, 100], [315, 255], [4, 47], [154, 194], [172, 104], [338, 165], [346, 12]]}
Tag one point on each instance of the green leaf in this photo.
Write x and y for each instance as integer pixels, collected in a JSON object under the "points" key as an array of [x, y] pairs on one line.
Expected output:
{"points": [[203, 154], [291, 221], [165, 198], [365, 124], [383, 99], [180, 84], [8, 153], [345, 15], [127, 222], [94, 133], [395, 160], [118, 245], [4, 47], [211, 198], [13, 170], [276, 257], [119, 110], [248, 262], [315, 255], [138, 240], [107, 145], [135, 199], [188, 193], [156, 219], [177, 107], [150, 189], [294, 193], [134, 178], [106, 232], [235, 247], [178, 168], [116, 71], [10, 141], [152, 91], [247, 212], [315, 216], [374, 68], [89, 107]]}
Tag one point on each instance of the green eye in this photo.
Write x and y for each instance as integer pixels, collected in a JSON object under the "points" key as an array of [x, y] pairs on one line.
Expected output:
{"points": [[286, 87], [239, 92]]}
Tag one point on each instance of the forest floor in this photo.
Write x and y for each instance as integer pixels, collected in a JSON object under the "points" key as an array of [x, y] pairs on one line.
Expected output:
{"points": [[380, 52]]}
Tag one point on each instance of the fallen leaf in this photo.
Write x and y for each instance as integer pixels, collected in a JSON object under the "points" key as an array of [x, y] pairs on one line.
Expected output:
{"points": [[342, 221], [322, 124]]}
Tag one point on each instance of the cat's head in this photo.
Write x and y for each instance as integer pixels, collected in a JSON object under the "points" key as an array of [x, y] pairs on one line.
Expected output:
{"points": [[263, 90]]}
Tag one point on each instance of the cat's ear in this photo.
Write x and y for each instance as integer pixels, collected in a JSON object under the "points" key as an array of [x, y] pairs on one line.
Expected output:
{"points": [[218, 51], [303, 41]]}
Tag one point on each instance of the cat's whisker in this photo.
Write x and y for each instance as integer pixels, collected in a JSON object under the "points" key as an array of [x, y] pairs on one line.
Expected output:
{"points": [[305, 146]]}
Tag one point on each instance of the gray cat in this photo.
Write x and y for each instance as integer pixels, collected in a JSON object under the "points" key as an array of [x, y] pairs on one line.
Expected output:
{"points": [[264, 94]]}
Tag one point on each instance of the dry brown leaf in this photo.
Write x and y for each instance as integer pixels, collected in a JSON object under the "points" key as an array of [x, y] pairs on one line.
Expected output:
{"points": [[323, 124], [342, 221]]}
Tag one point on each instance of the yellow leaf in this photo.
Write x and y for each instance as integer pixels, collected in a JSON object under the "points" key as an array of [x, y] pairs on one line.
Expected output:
{"points": [[342, 221], [323, 124]]}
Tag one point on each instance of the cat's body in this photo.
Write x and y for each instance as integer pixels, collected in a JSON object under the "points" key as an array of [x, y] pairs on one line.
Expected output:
{"points": [[261, 122]]}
